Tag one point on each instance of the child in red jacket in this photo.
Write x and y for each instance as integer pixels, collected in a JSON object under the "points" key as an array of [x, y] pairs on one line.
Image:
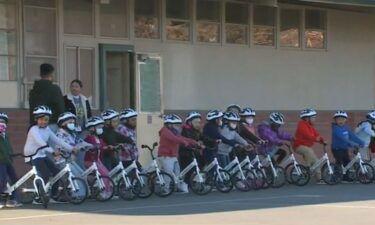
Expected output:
{"points": [[306, 136], [170, 140]]}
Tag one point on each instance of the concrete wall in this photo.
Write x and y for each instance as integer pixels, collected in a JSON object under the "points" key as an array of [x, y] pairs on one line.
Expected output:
{"points": [[203, 76]]}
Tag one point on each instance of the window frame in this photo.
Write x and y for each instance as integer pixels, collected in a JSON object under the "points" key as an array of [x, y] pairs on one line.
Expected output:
{"points": [[301, 27], [128, 26], [248, 25], [94, 19], [275, 29], [220, 23], [325, 47], [190, 20], [161, 10]]}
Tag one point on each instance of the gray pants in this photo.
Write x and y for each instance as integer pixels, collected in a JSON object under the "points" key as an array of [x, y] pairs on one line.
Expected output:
{"points": [[365, 153]]}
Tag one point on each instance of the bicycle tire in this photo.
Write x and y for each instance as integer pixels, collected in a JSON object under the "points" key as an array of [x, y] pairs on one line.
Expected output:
{"points": [[103, 195], [365, 178], [71, 196], [280, 180], [223, 183], [42, 194], [288, 169], [335, 177], [125, 192], [200, 188], [242, 183], [26, 197], [259, 178], [143, 186], [163, 190], [302, 179]]}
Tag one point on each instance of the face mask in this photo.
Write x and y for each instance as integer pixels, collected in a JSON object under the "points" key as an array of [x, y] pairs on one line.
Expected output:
{"points": [[3, 127], [99, 131], [233, 126], [220, 123], [71, 126], [250, 120]]}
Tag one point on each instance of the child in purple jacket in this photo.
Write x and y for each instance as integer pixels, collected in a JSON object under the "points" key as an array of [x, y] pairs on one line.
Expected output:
{"points": [[270, 132]]}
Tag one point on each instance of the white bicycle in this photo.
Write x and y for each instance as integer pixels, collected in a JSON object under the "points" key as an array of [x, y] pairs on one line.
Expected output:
{"points": [[219, 177], [260, 178], [28, 191], [163, 183], [295, 173], [357, 169], [130, 186], [275, 174], [102, 188]]}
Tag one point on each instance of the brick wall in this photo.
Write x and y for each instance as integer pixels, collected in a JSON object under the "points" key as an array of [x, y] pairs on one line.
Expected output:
{"points": [[19, 121]]}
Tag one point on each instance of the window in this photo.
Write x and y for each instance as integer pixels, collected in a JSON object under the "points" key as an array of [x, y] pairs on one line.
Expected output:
{"points": [[8, 41], [208, 21], [264, 25], [315, 29], [80, 64], [147, 20], [114, 18], [236, 22], [40, 40], [290, 23], [178, 20], [78, 17]]}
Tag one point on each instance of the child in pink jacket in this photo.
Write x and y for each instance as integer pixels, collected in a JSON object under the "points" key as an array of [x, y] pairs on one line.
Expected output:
{"points": [[170, 140]]}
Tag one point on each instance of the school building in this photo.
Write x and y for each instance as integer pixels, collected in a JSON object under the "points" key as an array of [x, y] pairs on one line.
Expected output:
{"points": [[162, 56]]}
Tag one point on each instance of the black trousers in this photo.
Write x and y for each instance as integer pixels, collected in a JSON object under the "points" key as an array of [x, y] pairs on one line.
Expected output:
{"points": [[46, 169], [341, 156], [185, 157]]}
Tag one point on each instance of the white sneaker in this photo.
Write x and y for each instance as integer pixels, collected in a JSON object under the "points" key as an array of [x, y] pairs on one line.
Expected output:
{"points": [[183, 187], [2, 205], [13, 204]]}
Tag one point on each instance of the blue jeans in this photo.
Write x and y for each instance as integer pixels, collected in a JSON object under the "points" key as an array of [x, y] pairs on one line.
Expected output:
{"points": [[7, 173], [224, 160]]}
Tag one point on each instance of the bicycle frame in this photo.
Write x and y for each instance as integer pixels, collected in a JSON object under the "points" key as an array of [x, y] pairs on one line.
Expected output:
{"points": [[94, 168], [67, 170], [358, 159], [323, 160], [235, 166], [268, 161], [22, 180], [212, 165], [192, 165]]}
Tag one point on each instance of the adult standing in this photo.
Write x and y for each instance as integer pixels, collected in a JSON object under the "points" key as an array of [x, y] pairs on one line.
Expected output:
{"points": [[46, 93], [78, 104]]}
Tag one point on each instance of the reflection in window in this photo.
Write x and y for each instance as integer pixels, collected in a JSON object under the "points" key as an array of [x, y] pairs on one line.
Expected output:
{"points": [[315, 29], [290, 23], [208, 21], [264, 25], [236, 19], [147, 19], [178, 20], [8, 41]]}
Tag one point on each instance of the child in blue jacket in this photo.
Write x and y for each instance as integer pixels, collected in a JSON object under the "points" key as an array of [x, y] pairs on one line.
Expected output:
{"points": [[343, 138]]}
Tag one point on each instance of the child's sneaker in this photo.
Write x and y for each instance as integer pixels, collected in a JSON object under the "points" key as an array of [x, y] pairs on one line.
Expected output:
{"points": [[320, 182], [2, 204], [183, 188], [13, 204]]}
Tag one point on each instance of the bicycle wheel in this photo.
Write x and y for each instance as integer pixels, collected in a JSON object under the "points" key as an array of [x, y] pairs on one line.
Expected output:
{"points": [[259, 178], [302, 178], [143, 186], [267, 177], [367, 175], [288, 170], [102, 194], [164, 184], [125, 191], [279, 179], [223, 182], [242, 183], [200, 187], [79, 195], [332, 178], [26, 192], [42, 194]]}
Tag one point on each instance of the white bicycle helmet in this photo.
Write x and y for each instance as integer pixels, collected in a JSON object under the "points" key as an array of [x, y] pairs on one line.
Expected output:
{"points": [[308, 113], [94, 121], [371, 115], [214, 114], [41, 111], [172, 119], [340, 114], [4, 117], [65, 117], [192, 115], [231, 116], [235, 106], [277, 118], [109, 114], [128, 113], [247, 112]]}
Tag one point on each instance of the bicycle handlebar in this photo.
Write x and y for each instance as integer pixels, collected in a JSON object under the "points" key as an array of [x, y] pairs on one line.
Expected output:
{"points": [[29, 156]]}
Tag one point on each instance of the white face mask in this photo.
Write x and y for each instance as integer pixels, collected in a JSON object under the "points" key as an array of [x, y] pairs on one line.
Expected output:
{"points": [[99, 131], [220, 123], [71, 126], [250, 120], [233, 125]]}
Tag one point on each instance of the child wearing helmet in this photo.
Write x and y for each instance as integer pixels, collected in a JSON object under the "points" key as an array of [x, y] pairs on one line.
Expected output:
{"points": [[112, 137], [170, 140], [343, 138], [212, 131], [127, 127], [365, 131], [7, 171], [247, 128], [192, 129], [38, 137], [306, 136], [270, 131], [94, 126], [229, 131]]}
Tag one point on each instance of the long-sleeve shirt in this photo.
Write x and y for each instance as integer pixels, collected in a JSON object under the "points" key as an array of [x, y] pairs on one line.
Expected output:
{"points": [[130, 150], [99, 148], [364, 131], [39, 137], [225, 149], [248, 132], [170, 142], [212, 130], [306, 135], [343, 138], [273, 137]]}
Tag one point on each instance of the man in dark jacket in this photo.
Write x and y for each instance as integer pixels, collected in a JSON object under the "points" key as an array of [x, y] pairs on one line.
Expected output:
{"points": [[44, 92]]}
